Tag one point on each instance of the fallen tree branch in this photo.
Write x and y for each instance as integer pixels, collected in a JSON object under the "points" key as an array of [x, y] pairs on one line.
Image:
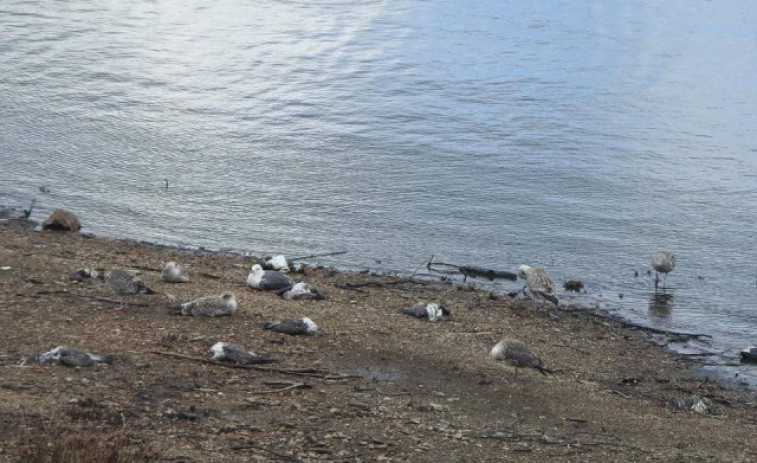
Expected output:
{"points": [[313, 256], [309, 372], [94, 298], [379, 284], [471, 271]]}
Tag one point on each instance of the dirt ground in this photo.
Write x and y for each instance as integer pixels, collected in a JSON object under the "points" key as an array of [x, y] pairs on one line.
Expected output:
{"points": [[374, 385]]}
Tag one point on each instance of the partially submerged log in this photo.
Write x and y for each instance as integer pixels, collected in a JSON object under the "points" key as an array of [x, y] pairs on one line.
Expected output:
{"points": [[471, 271]]}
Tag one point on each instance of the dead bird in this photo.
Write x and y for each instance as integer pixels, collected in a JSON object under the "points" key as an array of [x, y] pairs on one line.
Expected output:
{"points": [[539, 284], [209, 306], [268, 280], [72, 357], [124, 282], [693, 404], [294, 326], [303, 290], [234, 353], [278, 263], [174, 273], [81, 274], [517, 354], [431, 311]]}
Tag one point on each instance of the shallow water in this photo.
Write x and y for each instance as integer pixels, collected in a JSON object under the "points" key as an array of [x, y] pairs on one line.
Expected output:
{"points": [[579, 136]]}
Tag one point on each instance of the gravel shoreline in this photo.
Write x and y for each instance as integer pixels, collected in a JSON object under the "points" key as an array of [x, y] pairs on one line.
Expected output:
{"points": [[375, 385]]}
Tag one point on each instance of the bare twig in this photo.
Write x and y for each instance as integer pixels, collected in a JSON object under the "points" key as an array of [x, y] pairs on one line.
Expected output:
{"points": [[309, 372], [313, 256], [88, 296], [290, 387]]}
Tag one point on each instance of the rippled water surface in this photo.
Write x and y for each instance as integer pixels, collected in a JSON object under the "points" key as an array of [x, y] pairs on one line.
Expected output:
{"points": [[580, 136]]}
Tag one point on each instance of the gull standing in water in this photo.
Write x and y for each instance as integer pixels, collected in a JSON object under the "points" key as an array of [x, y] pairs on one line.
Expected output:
{"points": [[663, 262], [539, 283], [268, 280]]}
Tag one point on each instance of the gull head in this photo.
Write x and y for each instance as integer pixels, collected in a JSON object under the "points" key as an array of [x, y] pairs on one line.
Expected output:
{"points": [[524, 271]]}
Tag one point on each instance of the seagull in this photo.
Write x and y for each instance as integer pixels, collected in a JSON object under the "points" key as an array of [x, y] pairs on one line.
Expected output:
{"points": [[81, 274], [124, 282], [174, 273], [303, 290], [71, 357], [234, 353], [517, 354], [209, 306], [268, 280], [663, 262], [279, 263], [294, 326], [431, 311], [692, 403], [539, 283]]}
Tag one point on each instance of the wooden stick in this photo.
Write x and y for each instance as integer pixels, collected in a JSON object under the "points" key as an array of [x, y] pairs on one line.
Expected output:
{"points": [[313, 256]]}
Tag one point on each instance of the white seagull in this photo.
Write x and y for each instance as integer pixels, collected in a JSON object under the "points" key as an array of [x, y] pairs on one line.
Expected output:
{"points": [[268, 280], [234, 353], [174, 273], [431, 311], [71, 357], [209, 306], [278, 263], [663, 262], [303, 290], [517, 354], [539, 283], [295, 326]]}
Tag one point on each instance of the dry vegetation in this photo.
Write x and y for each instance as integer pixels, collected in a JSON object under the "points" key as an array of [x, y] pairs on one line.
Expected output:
{"points": [[374, 386]]}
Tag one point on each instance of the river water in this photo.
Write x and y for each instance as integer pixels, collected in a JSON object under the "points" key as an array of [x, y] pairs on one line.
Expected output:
{"points": [[580, 136]]}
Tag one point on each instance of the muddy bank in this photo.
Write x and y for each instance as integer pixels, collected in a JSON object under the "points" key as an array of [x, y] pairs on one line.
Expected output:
{"points": [[375, 385]]}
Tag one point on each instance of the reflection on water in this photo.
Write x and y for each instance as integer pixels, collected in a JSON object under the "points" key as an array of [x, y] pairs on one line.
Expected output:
{"points": [[660, 307]]}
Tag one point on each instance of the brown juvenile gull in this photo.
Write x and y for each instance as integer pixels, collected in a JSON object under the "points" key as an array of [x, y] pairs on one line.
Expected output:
{"points": [[209, 306], [431, 311], [71, 357], [303, 290], [124, 282], [268, 280], [517, 354], [295, 326], [234, 353], [174, 273], [539, 284], [663, 262]]}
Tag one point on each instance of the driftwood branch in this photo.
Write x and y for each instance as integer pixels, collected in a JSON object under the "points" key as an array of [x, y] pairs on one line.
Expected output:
{"points": [[470, 271], [309, 372], [287, 388], [313, 256], [94, 298], [678, 334], [379, 284]]}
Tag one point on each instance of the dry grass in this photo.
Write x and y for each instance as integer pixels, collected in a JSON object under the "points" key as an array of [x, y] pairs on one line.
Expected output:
{"points": [[82, 445]]}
